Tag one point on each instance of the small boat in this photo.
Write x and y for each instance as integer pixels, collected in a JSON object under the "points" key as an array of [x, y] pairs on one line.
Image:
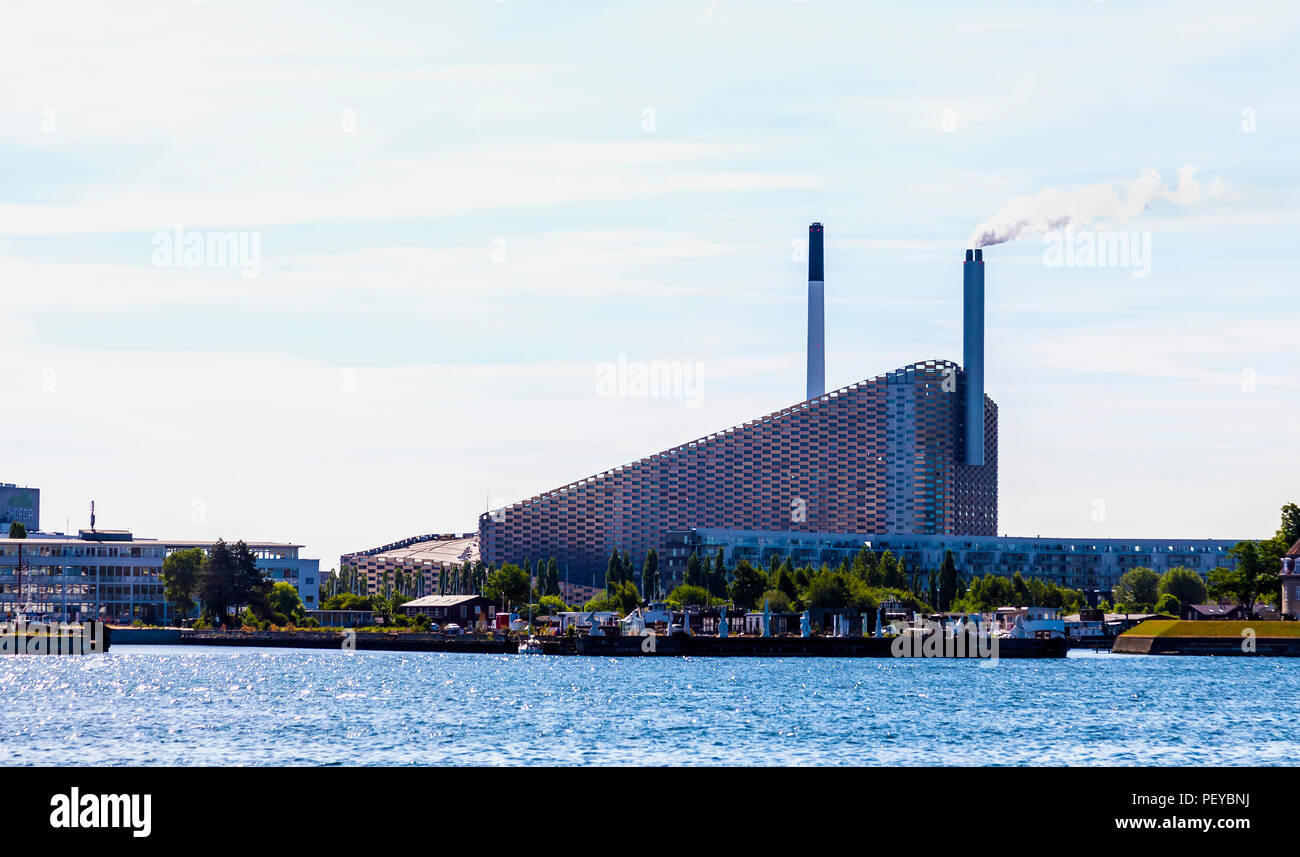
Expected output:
{"points": [[1033, 623]]}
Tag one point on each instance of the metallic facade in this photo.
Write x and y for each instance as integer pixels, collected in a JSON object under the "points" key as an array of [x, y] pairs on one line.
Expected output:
{"points": [[880, 456]]}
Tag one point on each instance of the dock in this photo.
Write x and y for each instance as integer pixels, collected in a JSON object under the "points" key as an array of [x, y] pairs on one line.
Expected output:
{"points": [[684, 645]]}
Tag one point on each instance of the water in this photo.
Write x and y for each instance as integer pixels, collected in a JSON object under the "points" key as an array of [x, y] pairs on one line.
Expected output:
{"points": [[187, 705]]}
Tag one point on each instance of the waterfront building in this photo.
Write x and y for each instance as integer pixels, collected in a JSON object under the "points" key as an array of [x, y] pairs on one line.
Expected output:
{"points": [[426, 559], [1090, 565], [464, 610], [429, 558], [1215, 612], [343, 618], [113, 575], [882, 455]]}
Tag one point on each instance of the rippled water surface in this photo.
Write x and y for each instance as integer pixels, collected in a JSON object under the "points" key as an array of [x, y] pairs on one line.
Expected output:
{"points": [[187, 705]]}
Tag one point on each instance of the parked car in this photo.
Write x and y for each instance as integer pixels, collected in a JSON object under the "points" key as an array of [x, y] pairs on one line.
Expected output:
{"points": [[452, 628]]}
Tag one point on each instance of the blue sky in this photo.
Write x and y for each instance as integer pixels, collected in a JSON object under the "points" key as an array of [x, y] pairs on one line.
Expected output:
{"points": [[465, 209]]}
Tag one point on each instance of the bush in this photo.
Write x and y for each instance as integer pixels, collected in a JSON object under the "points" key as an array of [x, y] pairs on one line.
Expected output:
{"points": [[687, 595], [1137, 590], [1183, 584], [348, 601], [1168, 605], [551, 604], [777, 601]]}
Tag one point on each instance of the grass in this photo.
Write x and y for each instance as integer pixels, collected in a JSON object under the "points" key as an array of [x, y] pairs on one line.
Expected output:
{"points": [[1180, 628]]}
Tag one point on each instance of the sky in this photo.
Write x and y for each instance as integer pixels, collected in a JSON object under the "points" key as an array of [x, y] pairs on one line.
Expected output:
{"points": [[458, 216]]}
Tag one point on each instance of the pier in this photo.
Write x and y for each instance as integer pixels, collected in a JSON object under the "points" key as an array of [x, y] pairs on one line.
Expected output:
{"points": [[801, 647]]}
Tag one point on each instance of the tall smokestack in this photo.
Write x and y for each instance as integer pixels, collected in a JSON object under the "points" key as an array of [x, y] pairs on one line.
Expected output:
{"points": [[816, 315], [972, 353]]}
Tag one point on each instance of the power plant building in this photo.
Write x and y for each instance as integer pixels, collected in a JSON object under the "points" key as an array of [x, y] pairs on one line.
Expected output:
{"points": [[913, 451], [906, 461], [879, 456]]}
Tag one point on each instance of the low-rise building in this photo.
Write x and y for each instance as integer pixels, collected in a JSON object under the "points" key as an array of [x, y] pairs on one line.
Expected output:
{"points": [[464, 610], [1219, 612], [115, 576], [343, 618]]}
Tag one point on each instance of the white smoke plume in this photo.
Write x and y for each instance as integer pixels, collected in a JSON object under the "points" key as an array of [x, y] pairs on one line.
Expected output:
{"points": [[1051, 209]]}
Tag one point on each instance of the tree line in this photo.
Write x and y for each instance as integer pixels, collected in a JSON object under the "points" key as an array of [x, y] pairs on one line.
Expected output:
{"points": [[225, 582], [863, 582], [1253, 579]]}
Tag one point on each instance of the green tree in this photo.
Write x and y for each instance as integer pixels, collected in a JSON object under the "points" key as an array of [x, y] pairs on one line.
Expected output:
{"points": [[893, 572], [688, 595], [650, 574], [216, 589], [947, 581], [1137, 590], [251, 586], [613, 571], [827, 589], [985, 594], [348, 601], [1168, 605], [284, 601], [553, 577], [786, 583], [1249, 582], [862, 597], [692, 577], [1183, 584], [628, 597], [1020, 594], [17, 530], [747, 586], [777, 601], [180, 575], [1272, 550], [718, 577], [507, 586], [864, 561], [549, 605], [1289, 532]]}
